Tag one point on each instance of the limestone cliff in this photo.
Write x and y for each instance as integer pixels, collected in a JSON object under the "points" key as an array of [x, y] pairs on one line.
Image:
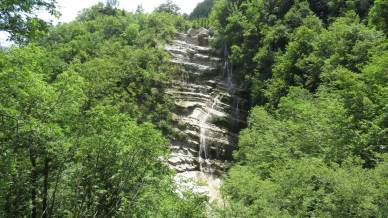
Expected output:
{"points": [[209, 111]]}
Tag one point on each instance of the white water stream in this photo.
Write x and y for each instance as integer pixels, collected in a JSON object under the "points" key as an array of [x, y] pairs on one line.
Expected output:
{"points": [[204, 94], [203, 147]]}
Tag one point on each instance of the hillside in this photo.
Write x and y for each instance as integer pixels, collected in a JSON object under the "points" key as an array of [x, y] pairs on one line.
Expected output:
{"points": [[245, 108]]}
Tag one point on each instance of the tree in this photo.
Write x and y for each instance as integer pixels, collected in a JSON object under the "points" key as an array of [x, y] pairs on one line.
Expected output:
{"points": [[307, 188], [379, 15], [38, 148], [139, 9], [18, 19], [303, 160], [79, 105], [168, 7], [317, 129], [202, 10], [112, 3]]}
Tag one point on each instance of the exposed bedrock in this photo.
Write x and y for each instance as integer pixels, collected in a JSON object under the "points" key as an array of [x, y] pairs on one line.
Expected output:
{"points": [[210, 107]]}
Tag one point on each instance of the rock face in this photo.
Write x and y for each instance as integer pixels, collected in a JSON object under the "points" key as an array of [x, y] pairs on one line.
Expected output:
{"points": [[209, 112]]}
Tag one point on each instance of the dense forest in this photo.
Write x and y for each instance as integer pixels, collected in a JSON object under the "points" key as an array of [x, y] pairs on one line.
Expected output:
{"points": [[83, 112], [317, 138], [85, 121]]}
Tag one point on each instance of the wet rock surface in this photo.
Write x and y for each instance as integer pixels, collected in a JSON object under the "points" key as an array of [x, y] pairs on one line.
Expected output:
{"points": [[209, 112]]}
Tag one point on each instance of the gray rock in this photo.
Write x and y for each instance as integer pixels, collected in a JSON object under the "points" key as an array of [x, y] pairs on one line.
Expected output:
{"points": [[205, 117]]}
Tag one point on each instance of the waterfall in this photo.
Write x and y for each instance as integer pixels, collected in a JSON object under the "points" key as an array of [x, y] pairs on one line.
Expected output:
{"points": [[203, 154], [203, 147], [204, 89], [237, 109], [228, 70]]}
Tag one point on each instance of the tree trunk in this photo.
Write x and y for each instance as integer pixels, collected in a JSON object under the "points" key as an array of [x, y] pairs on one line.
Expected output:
{"points": [[34, 176], [54, 192], [45, 188]]}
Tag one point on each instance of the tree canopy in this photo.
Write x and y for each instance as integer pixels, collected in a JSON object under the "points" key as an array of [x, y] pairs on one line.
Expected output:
{"points": [[83, 111], [19, 20], [168, 7], [85, 121], [316, 141], [202, 10]]}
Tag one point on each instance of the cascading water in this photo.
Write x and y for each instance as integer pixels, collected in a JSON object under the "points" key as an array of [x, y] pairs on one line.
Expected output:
{"points": [[228, 71], [207, 112], [203, 147], [237, 109], [203, 153]]}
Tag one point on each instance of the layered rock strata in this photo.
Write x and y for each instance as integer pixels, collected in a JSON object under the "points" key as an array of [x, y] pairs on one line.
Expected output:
{"points": [[209, 112]]}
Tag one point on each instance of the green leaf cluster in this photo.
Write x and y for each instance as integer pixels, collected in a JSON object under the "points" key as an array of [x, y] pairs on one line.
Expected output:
{"points": [[316, 141], [82, 116]]}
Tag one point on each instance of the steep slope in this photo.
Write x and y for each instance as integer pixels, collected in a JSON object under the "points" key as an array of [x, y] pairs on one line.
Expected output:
{"points": [[209, 112]]}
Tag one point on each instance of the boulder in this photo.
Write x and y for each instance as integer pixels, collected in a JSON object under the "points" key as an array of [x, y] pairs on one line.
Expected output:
{"points": [[193, 33], [201, 34]]}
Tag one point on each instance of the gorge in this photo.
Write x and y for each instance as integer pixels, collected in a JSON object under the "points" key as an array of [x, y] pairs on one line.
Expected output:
{"points": [[145, 114], [209, 112]]}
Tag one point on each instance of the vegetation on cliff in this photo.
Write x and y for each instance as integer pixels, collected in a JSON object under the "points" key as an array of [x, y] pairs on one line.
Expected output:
{"points": [[316, 140], [85, 119], [83, 110]]}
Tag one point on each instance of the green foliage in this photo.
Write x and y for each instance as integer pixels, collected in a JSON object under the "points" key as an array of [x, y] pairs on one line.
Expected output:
{"points": [[263, 34], [307, 188], [306, 160], [326, 10], [77, 140], [84, 110], [303, 127], [202, 10], [201, 22], [120, 59], [44, 112], [169, 7], [312, 51], [316, 140], [379, 15], [18, 19], [117, 170]]}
